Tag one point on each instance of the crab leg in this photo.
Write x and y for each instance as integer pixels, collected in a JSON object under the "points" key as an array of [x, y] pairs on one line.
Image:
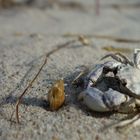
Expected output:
{"points": [[126, 59], [120, 58], [134, 120], [79, 80], [113, 56]]}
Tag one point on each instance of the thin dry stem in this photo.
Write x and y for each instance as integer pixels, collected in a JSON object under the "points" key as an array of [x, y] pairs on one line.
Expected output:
{"points": [[113, 38], [30, 84], [40, 69]]}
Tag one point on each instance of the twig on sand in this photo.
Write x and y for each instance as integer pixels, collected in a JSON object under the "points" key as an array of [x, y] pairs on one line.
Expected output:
{"points": [[35, 77], [113, 38]]}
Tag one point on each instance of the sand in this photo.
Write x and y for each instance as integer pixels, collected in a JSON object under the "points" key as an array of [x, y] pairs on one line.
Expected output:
{"points": [[27, 33]]}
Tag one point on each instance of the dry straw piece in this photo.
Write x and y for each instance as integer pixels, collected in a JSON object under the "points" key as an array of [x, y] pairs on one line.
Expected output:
{"points": [[84, 40], [117, 49]]}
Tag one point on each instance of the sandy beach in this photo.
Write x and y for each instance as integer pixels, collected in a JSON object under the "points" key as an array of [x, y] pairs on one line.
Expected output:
{"points": [[28, 32]]}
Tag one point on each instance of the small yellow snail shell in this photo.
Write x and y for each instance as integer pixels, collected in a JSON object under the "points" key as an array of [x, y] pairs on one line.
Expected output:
{"points": [[56, 95]]}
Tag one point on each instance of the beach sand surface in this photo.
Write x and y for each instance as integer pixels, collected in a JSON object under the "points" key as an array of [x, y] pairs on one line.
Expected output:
{"points": [[27, 33]]}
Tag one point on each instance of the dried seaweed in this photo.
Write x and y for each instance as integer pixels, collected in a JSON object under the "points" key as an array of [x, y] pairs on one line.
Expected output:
{"points": [[116, 49], [113, 38]]}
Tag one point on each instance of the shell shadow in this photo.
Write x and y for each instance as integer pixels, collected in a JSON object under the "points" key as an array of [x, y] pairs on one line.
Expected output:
{"points": [[28, 101]]}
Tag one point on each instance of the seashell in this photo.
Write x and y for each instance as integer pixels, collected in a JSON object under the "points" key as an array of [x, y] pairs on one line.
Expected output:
{"points": [[56, 95]]}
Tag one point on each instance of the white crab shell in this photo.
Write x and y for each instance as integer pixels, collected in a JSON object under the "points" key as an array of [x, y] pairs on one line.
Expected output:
{"points": [[132, 77], [98, 97]]}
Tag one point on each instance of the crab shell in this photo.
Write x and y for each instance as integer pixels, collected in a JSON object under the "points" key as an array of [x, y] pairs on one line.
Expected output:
{"points": [[96, 72], [97, 100], [132, 77], [100, 99]]}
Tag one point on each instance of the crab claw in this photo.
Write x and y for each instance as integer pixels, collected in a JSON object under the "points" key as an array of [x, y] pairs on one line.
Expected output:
{"points": [[99, 101], [93, 98]]}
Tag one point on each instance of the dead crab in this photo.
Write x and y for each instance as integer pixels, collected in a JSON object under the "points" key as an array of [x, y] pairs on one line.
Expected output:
{"points": [[113, 85]]}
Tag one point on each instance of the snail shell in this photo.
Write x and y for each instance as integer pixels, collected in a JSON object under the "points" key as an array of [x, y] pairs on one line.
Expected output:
{"points": [[56, 95]]}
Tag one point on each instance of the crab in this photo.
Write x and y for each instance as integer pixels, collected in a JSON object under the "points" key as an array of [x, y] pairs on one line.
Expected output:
{"points": [[112, 85]]}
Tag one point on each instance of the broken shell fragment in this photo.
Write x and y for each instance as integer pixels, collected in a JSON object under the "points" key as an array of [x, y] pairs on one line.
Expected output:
{"points": [[84, 40], [56, 95]]}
